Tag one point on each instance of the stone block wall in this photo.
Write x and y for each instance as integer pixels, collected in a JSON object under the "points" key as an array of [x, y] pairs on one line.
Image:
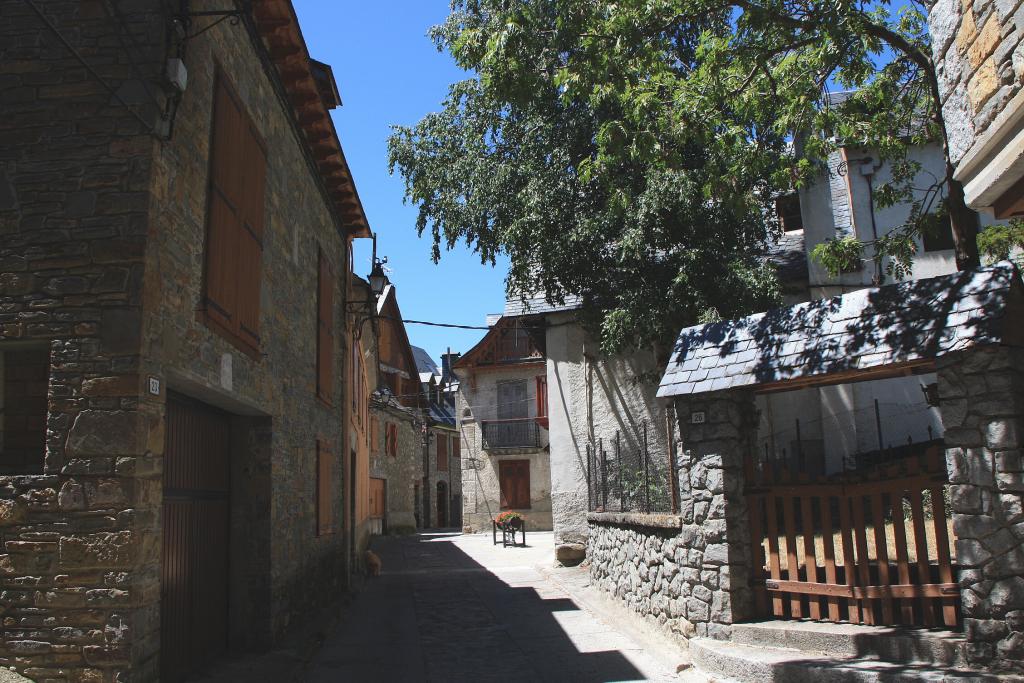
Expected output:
{"points": [[78, 535], [979, 62], [982, 402], [403, 471], [689, 572]]}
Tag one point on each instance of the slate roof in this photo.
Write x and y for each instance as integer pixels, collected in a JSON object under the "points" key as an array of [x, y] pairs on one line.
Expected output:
{"points": [[789, 256], [869, 328], [424, 363], [537, 303]]}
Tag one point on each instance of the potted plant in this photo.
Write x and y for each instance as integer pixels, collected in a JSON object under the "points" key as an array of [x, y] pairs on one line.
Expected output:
{"points": [[509, 520]]}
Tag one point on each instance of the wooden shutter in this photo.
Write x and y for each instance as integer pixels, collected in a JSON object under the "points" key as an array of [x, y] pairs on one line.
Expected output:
{"points": [[542, 400], [325, 333], [514, 481], [234, 241], [374, 438], [442, 452], [324, 489], [391, 439]]}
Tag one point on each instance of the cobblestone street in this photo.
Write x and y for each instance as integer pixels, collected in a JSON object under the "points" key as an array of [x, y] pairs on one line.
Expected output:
{"points": [[456, 608]]}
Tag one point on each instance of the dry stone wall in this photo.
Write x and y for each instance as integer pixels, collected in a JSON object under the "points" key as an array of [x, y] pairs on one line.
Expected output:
{"points": [[690, 572], [982, 399]]}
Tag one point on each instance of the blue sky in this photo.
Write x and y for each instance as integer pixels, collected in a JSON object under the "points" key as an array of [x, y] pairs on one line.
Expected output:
{"points": [[388, 73]]}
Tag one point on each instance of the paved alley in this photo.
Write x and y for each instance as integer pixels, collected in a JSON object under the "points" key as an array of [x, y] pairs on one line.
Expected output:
{"points": [[449, 607]]}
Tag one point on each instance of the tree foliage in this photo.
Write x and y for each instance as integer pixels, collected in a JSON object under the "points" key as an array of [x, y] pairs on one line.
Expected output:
{"points": [[629, 151]]}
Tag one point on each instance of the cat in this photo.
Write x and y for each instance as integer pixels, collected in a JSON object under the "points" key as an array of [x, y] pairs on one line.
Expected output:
{"points": [[373, 563]]}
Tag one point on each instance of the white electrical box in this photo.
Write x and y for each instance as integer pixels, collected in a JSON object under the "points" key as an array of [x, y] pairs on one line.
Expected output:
{"points": [[177, 74]]}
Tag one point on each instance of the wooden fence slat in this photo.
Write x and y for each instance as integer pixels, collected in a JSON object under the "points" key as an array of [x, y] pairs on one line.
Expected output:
{"points": [[921, 547], [849, 566], [810, 558], [755, 514], [881, 552], [863, 561], [774, 564], [792, 567], [899, 591], [828, 550], [899, 532], [942, 546]]}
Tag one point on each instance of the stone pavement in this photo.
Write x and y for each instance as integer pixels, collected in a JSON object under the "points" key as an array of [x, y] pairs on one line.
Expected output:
{"points": [[449, 607]]}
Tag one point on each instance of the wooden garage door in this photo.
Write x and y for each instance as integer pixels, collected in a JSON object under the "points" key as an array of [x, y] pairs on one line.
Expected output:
{"points": [[194, 575]]}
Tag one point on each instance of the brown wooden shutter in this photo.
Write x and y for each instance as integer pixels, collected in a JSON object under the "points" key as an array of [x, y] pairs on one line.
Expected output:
{"points": [[325, 332], [234, 243], [514, 482], [442, 452], [324, 489], [542, 398]]}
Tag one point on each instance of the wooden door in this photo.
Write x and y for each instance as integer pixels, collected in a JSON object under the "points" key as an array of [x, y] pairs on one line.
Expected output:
{"points": [[196, 509], [378, 505], [514, 479], [442, 505]]}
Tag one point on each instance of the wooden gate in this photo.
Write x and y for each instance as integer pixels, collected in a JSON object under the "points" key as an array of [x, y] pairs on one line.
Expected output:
{"points": [[194, 571], [874, 545]]}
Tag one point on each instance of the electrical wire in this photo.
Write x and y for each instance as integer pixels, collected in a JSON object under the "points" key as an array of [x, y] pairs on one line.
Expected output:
{"points": [[88, 67]]}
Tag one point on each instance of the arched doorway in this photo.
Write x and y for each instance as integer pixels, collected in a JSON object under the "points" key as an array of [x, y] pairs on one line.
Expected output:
{"points": [[442, 504]]}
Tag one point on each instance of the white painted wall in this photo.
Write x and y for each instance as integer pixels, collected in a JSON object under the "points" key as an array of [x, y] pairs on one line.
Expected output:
{"points": [[589, 397]]}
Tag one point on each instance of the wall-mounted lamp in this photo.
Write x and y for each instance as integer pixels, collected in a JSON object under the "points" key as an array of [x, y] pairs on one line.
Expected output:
{"points": [[378, 278], [931, 394]]}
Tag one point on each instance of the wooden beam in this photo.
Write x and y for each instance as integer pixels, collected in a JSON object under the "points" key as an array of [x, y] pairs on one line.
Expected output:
{"points": [[1011, 203], [904, 369], [928, 590]]}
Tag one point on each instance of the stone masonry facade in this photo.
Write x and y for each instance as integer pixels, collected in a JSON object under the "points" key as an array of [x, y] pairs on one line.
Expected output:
{"points": [[980, 64], [402, 471], [101, 265], [689, 572], [982, 399]]}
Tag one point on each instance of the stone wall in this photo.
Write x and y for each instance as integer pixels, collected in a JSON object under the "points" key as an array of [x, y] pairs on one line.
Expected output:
{"points": [[403, 471], [77, 537], [980, 66], [982, 400], [308, 569], [102, 229], [690, 572], [451, 476]]}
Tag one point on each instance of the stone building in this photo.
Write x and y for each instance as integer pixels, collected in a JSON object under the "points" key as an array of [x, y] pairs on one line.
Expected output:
{"points": [[397, 423], [979, 62], [175, 220], [444, 461], [502, 419], [362, 380]]}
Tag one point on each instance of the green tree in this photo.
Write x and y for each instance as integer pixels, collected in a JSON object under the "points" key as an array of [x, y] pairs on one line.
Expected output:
{"points": [[630, 151]]}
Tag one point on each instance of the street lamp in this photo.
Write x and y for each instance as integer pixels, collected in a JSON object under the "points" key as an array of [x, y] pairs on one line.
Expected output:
{"points": [[377, 278]]}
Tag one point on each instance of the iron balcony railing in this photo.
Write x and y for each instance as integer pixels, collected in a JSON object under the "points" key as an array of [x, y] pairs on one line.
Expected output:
{"points": [[519, 433]]}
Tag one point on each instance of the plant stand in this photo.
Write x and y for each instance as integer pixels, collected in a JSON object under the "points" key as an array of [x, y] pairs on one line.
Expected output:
{"points": [[508, 533]]}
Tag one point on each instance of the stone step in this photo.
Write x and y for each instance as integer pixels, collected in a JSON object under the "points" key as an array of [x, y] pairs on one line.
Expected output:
{"points": [[721, 660], [885, 643]]}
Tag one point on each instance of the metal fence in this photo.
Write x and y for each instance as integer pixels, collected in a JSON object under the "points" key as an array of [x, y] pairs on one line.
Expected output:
{"points": [[623, 475]]}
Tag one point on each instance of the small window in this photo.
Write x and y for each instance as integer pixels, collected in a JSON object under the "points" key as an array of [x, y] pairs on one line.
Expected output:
{"points": [[514, 481], [391, 439], [325, 336], [325, 521], [512, 400], [542, 400], [24, 377], [938, 236], [788, 209]]}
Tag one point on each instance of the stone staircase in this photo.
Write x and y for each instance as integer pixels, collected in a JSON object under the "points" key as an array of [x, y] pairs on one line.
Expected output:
{"points": [[798, 651]]}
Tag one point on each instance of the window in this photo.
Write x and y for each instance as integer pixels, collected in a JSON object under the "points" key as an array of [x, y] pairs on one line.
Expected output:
{"points": [[325, 334], [512, 400], [24, 379], [542, 400], [374, 436], [788, 209], [234, 230], [937, 234], [442, 452], [324, 489], [391, 439], [514, 480]]}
